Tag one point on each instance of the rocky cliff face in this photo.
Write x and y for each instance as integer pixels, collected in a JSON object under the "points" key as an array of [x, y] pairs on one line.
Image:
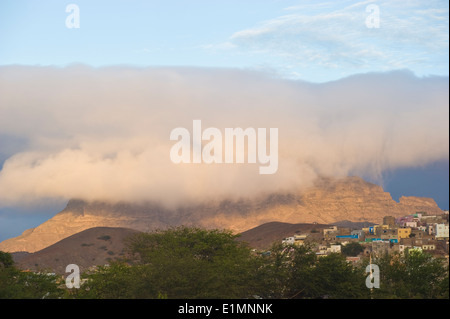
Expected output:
{"points": [[327, 202]]}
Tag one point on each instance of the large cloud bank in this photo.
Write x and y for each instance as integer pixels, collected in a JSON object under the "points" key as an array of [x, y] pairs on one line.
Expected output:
{"points": [[81, 132]]}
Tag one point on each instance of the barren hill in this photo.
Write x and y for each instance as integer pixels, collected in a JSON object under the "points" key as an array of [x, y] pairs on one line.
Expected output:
{"points": [[329, 201], [91, 247]]}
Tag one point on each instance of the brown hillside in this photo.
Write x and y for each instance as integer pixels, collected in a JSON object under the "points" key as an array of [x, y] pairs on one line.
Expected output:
{"points": [[91, 247]]}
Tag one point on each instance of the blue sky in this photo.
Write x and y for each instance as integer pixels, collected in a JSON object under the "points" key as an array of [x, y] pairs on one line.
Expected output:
{"points": [[310, 40]]}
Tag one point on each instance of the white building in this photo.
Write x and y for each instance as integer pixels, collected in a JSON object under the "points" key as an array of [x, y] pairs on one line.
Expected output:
{"points": [[322, 249], [441, 231], [288, 241], [411, 224], [334, 249], [330, 230]]}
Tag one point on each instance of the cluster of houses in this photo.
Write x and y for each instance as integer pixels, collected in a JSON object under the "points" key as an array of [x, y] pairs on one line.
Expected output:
{"points": [[418, 231]]}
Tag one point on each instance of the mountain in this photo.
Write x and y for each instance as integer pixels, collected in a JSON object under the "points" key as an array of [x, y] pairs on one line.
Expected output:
{"points": [[328, 201], [91, 247]]}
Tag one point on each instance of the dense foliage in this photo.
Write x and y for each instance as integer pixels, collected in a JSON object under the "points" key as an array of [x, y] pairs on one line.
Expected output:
{"points": [[15, 283], [190, 263]]}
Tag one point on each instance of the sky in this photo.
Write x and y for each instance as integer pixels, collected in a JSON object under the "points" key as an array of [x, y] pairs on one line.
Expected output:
{"points": [[100, 96], [311, 40]]}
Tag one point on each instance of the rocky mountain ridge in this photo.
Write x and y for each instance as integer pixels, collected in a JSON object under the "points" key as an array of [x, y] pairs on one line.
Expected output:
{"points": [[329, 201]]}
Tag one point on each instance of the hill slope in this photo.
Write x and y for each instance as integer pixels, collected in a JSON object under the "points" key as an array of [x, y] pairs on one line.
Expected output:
{"points": [[91, 247]]}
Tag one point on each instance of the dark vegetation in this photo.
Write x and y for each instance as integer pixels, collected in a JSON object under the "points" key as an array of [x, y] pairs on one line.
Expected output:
{"points": [[193, 263]]}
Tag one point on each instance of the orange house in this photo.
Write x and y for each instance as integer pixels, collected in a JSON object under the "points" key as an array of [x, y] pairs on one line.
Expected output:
{"points": [[403, 232]]}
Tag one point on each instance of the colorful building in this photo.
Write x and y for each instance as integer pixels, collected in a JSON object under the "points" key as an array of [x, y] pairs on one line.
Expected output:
{"points": [[403, 232]]}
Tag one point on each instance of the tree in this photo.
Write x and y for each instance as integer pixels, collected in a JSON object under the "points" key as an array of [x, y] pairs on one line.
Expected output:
{"points": [[6, 260], [180, 263], [334, 277], [17, 284], [352, 249], [115, 281], [414, 274], [296, 272], [287, 271]]}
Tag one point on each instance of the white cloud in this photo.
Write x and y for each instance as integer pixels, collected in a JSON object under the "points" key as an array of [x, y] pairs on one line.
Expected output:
{"points": [[104, 133], [329, 35]]}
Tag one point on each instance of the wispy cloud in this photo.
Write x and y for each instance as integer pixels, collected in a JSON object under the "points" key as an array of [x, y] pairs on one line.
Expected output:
{"points": [[329, 35]]}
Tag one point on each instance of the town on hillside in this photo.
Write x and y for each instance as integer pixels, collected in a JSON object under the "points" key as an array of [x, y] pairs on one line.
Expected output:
{"points": [[419, 231]]}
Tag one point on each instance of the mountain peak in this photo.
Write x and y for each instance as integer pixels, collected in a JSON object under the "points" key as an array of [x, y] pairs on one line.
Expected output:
{"points": [[329, 201]]}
